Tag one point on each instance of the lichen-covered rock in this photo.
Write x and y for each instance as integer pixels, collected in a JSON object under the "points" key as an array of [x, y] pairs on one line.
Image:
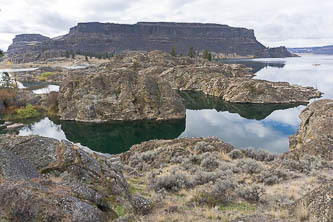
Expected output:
{"points": [[315, 135], [118, 94], [42, 179], [318, 203]]}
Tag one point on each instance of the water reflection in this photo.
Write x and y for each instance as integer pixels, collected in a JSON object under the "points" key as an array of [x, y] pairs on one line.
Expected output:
{"points": [[310, 70], [110, 138], [47, 89], [199, 101], [270, 134], [256, 65], [242, 125]]}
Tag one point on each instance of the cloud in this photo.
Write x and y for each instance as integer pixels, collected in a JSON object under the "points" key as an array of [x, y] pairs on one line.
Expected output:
{"points": [[276, 22]]}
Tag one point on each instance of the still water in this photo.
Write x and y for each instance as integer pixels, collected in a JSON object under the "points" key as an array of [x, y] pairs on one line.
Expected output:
{"points": [[242, 125]]}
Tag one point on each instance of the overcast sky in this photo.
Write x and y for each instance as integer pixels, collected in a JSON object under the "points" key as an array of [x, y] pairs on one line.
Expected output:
{"points": [[293, 23]]}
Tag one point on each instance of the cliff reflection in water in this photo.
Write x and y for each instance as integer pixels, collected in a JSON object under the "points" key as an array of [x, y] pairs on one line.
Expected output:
{"points": [[199, 101], [256, 66], [112, 138], [118, 137]]}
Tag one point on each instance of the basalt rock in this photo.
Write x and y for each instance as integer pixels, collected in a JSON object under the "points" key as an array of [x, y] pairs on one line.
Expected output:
{"points": [[42, 179], [315, 135], [100, 38], [318, 203], [231, 82], [105, 94], [138, 85]]}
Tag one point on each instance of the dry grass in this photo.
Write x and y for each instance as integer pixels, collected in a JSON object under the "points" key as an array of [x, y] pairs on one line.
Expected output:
{"points": [[223, 156], [302, 213]]}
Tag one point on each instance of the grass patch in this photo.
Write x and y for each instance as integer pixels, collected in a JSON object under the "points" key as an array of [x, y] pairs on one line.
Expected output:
{"points": [[239, 207], [119, 210], [46, 74]]}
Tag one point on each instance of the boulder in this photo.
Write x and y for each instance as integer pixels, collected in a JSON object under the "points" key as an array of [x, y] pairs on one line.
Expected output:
{"points": [[42, 179], [314, 135]]}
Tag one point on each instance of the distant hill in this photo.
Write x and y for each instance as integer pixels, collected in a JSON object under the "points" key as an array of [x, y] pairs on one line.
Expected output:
{"points": [[327, 50], [99, 38]]}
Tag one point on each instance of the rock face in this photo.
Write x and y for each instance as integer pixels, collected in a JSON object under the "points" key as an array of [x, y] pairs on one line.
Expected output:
{"points": [[118, 94], [98, 38], [138, 85], [319, 202], [315, 135], [42, 179]]}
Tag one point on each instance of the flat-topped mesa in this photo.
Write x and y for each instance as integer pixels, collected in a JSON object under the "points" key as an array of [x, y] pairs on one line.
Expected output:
{"points": [[99, 38], [26, 40]]}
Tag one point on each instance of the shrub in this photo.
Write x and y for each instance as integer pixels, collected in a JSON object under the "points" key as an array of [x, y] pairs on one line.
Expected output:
{"points": [[210, 162], [172, 182], [250, 166], [27, 112], [236, 154], [250, 193], [203, 147], [221, 193]]}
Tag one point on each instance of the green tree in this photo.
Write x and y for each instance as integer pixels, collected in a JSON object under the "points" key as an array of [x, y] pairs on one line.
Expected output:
{"points": [[173, 51], [67, 55], [205, 54], [209, 57], [1, 53], [191, 52]]}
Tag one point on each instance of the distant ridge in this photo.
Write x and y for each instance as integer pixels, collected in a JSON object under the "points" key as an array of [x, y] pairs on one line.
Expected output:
{"points": [[328, 50], [95, 37]]}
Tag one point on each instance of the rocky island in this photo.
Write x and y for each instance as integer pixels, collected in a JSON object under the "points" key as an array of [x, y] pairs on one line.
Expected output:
{"points": [[100, 38], [138, 85], [188, 179]]}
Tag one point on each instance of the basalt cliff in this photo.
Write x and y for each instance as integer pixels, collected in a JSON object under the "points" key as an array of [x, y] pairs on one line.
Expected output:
{"points": [[99, 38], [139, 85]]}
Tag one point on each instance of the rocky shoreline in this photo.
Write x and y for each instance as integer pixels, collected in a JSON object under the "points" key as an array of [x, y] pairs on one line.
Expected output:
{"points": [[138, 85], [188, 179]]}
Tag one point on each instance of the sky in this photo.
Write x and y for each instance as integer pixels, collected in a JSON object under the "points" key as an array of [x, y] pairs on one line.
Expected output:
{"points": [[292, 23]]}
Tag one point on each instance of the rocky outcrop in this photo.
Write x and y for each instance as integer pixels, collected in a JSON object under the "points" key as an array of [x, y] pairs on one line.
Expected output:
{"points": [[43, 179], [315, 135], [230, 82], [238, 89], [99, 38], [138, 85], [318, 203], [104, 94]]}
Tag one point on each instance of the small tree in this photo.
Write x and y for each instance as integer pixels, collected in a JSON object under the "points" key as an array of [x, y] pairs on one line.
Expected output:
{"points": [[205, 54], [191, 52], [173, 51], [209, 57], [1, 53], [67, 55]]}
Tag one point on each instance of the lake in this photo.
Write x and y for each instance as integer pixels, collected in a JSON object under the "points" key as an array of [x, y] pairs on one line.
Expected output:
{"points": [[242, 125]]}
